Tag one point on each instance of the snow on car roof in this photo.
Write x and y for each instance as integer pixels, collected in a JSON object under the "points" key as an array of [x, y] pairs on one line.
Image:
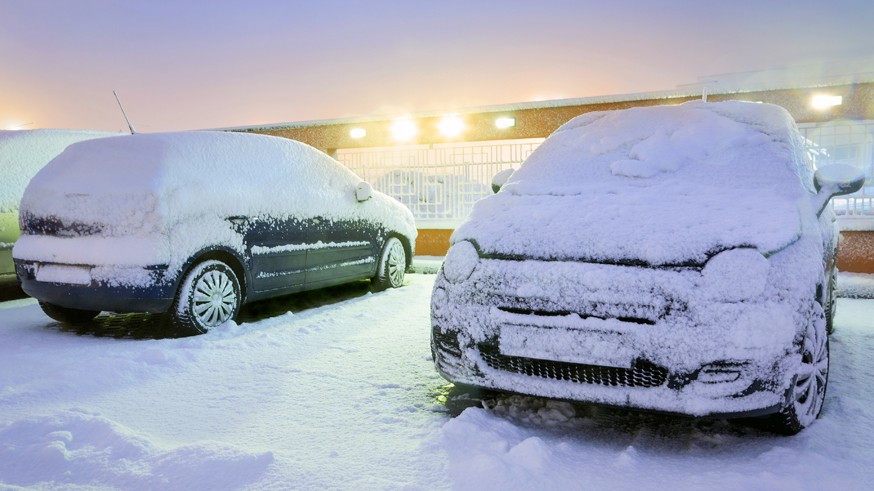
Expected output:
{"points": [[737, 144], [663, 184], [24, 152], [163, 160], [226, 173]]}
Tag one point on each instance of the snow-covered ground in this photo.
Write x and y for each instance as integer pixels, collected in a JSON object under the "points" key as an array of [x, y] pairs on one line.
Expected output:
{"points": [[345, 396]]}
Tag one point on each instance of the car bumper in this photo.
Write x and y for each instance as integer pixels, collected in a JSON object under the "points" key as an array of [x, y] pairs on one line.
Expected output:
{"points": [[673, 393], [91, 288], [499, 329]]}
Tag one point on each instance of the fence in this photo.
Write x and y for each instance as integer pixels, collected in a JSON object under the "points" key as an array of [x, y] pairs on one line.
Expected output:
{"points": [[441, 182], [847, 142]]}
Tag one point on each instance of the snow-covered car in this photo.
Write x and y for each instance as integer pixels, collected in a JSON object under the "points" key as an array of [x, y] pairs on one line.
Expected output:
{"points": [[197, 224], [22, 154], [672, 258]]}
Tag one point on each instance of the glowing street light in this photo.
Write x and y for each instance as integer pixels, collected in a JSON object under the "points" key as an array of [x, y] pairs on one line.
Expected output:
{"points": [[404, 129], [357, 133], [824, 101], [502, 123], [451, 126], [16, 125]]}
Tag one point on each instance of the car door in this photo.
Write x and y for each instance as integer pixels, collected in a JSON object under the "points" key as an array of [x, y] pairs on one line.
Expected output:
{"points": [[277, 251], [340, 250], [342, 245]]}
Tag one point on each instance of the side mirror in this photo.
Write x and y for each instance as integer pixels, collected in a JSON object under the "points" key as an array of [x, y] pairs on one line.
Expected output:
{"points": [[500, 179], [835, 180], [363, 191]]}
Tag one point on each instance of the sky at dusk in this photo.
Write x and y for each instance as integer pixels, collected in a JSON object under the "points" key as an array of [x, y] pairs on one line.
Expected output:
{"points": [[208, 64]]}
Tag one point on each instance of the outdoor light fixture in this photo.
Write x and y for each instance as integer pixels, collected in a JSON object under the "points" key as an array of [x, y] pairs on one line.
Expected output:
{"points": [[505, 123], [450, 126], [823, 101], [15, 125], [357, 133], [404, 129]]}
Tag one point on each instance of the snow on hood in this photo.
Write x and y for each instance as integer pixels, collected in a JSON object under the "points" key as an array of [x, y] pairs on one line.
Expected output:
{"points": [[661, 185], [24, 152]]}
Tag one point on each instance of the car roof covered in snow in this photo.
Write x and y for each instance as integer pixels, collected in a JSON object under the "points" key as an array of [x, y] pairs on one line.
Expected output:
{"points": [[165, 160], [220, 172], [738, 144]]}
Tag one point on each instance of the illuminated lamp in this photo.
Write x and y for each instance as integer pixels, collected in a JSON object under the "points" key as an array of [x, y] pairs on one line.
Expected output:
{"points": [[502, 123], [404, 129], [823, 101], [450, 126], [357, 133]]}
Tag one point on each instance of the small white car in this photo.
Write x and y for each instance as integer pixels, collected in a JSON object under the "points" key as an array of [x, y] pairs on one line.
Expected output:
{"points": [[197, 224], [671, 258]]}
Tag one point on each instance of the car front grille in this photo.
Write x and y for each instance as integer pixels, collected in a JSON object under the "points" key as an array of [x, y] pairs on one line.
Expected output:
{"points": [[641, 374]]}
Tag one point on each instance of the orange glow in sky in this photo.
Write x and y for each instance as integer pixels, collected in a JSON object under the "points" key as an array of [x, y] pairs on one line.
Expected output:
{"points": [[210, 64]]}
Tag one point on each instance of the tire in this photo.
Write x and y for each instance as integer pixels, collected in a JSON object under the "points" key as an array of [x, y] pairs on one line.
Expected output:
{"points": [[831, 306], [208, 297], [392, 266], [66, 315], [810, 383]]}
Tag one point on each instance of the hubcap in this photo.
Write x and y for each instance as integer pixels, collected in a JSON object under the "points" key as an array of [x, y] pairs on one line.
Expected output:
{"points": [[812, 375], [214, 299], [397, 263]]}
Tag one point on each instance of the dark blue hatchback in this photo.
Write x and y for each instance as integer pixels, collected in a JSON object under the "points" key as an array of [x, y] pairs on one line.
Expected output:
{"points": [[196, 224]]}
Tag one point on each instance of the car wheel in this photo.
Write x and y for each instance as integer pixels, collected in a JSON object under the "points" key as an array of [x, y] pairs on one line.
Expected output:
{"points": [[66, 315], [809, 386], [208, 297], [392, 265]]}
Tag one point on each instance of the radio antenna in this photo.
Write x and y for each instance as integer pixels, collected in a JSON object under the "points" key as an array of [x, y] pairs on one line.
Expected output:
{"points": [[130, 126]]}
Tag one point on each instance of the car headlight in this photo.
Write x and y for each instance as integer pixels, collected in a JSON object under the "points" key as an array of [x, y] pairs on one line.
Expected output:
{"points": [[735, 275], [438, 302], [460, 262]]}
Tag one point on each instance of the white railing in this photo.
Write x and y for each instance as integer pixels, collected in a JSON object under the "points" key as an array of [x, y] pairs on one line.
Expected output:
{"points": [[441, 182], [846, 142], [849, 207]]}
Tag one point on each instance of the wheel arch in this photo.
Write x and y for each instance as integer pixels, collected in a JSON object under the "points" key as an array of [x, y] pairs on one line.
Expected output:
{"points": [[225, 255]]}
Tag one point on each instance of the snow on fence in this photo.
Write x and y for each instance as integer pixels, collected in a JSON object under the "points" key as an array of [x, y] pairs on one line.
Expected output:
{"points": [[440, 182]]}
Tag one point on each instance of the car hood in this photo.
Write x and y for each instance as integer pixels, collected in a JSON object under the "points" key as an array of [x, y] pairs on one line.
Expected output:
{"points": [[629, 227]]}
